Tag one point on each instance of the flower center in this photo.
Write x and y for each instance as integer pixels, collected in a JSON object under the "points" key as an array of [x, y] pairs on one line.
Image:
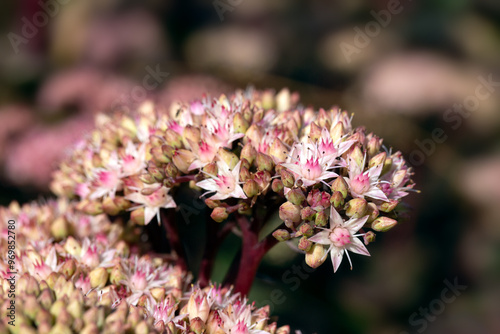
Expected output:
{"points": [[226, 184], [311, 169], [139, 280], [361, 183], [340, 237]]}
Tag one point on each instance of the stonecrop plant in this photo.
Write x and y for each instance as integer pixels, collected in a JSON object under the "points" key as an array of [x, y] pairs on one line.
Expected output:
{"points": [[80, 260]]}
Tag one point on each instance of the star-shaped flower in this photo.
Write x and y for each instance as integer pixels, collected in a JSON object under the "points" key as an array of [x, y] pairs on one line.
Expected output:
{"points": [[341, 238]]}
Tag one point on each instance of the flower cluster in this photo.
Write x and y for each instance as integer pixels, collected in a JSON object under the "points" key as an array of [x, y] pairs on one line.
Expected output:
{"points": [[330, 180], [91, 280]]}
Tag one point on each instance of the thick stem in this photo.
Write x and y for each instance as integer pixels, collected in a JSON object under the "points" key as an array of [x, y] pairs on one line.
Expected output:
{"points": [[207, 262], [252, 253], [168, 221]]}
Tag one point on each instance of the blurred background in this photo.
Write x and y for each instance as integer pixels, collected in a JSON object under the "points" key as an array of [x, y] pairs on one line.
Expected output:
{"points": [[423, 75]]}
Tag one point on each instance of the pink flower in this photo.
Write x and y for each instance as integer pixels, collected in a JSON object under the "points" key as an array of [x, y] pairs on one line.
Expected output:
{"points": [[134, 160], [310, 165], [341, 238], [226, 184], [365, 183], [157, 199]]}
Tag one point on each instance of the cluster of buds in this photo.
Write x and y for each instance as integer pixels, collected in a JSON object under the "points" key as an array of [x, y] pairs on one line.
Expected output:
{"points": [[92, 281], [250, 148]]}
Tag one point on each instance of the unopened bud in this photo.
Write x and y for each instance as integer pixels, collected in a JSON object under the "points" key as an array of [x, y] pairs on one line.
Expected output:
{"points": [[373, 145], [372, 212], [182, 159], [155, 172], [158, 155], [212, 204], [219, 214], [277, 186], [59, 228], [248, 153], [388, 206], [287, 178], [337, 200], [109, 207], [68, 268], [98, 277], [228, 157], [173, 138], [321, 219], [171, 170], [369, 237], [337, 131], [357, 156], [316, 256], [211, 169], [315, 132], [296, 196], [251, 188], [377, 160], [356, 208], [306, 230], [281, 235], [137, 216], [307, 213], [305, 244], [289, 211], [197, 325], [264, 162], [191, 134], [383, 224], [318, 199], [240, 124], [278, 151]]}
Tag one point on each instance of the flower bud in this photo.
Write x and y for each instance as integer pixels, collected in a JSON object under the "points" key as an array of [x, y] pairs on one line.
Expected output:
{"points": [[211, 169], [46, 298], [305, 244], [277, 186], [289, 211], [173, 138], [122, 203], [383, 224], [240, 124], [337, 131], [287, 178], [137, 216], [281, 235], [171, 171], [372, 212], [117, 275], [182, 159], [278, 151], [296, 196], [307, 213], [251, 188], [369, 237], [158, 293], [356, 208], [75, 309], [191, 134], [254, 134], [316, 256], [98, 277], [306, 230], [228, 157], [248, 153], [147, 178], [388, 206], [263, 179], [168, 151], [59, 228], [219, 214], [318, 199], [198, 308], [377, 160], [197, 325], [373, 145], [109, 207], [337, 200], [92, 208], [155, 172], [357, 156], [158, 155], [212, 204], [387, 165], [68, 268], [321, 219], [264, 162], [314, 132]]}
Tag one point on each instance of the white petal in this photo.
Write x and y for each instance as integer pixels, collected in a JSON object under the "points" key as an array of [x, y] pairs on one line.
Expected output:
{"points": [[135, 197], [336, 254], [149, 214], [376, 193], [322, 238], [335, 218], [353, 225], [238, 192], [357, 246], [208, 184]]}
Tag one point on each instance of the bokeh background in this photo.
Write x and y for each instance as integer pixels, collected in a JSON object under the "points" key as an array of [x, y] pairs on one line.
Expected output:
{"points": [[63, 61]]}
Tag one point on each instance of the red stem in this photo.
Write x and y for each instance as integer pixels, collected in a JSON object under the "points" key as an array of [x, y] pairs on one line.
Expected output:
{"points": [[168, 221], [252, 252]]}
